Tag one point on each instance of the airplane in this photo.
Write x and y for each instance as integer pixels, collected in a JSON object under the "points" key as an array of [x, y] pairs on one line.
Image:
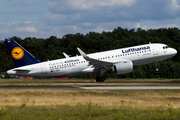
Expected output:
{"points": [[118, 61]]}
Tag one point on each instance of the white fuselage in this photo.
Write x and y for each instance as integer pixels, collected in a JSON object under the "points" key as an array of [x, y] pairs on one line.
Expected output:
{"points": [[72, 66]]}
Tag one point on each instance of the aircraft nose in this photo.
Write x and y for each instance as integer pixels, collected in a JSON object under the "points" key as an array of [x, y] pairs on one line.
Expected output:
{"points": [[173, 51]]}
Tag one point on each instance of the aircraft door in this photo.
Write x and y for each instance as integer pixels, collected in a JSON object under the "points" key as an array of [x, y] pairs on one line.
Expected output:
{"points": [[43, 69], [155, 50]]}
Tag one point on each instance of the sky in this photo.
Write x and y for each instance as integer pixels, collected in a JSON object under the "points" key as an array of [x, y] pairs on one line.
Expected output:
{"points": [[45, 18]]}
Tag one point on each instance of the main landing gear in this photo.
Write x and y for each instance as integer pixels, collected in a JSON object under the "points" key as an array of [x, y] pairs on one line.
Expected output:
{"points": [[100, 79]]}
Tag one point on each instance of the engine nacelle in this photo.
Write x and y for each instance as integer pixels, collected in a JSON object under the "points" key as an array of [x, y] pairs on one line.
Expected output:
{"points": [[123, 67]]}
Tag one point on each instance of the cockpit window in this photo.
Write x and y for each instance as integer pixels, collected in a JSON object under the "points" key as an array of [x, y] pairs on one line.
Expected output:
{"points": [[165, 47]]}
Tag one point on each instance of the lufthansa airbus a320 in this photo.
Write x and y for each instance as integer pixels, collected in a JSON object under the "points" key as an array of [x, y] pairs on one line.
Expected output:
{"points": [[118, 61]]}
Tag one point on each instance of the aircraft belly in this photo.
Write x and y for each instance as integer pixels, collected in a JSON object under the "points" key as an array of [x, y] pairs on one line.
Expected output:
{"points": [[68, 71], [150, 59], [141, 61], [63, 74]]}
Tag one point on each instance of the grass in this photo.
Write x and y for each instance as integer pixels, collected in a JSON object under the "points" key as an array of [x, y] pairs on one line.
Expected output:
{"points": [[87, 111], [154, 98], [48, 104]]}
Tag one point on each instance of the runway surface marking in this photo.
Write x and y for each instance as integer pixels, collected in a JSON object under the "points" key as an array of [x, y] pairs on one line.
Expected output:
{"points": [[93, 87]]}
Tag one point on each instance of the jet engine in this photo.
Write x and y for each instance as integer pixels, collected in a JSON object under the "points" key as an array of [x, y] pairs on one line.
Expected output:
{"points": [[123, 67]]}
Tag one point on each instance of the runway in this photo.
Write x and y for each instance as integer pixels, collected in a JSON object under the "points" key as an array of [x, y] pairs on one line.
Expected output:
{"points": [[93, 87]]}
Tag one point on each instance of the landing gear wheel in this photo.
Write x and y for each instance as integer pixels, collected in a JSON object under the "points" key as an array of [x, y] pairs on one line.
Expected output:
{"points": [[100, 79], [97, 79]]}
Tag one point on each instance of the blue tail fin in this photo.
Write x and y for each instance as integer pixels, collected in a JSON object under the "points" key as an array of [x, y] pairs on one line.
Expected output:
{"points": [[20, 56]]}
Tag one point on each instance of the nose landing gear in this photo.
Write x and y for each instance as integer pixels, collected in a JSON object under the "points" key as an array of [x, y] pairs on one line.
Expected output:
{"points": [[155, 64]]}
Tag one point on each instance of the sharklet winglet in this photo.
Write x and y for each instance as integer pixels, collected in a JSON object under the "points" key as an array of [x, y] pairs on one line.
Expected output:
{"points": [[82, 53]]}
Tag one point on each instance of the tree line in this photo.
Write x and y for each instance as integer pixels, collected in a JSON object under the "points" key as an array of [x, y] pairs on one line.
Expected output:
{"points": [[53, 47]]}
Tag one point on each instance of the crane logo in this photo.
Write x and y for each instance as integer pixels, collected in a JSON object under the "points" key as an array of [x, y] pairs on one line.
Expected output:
{"points": [[17, 53]]}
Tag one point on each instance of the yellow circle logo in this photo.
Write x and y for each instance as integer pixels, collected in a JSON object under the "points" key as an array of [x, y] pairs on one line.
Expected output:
{"points": [[17, 53]]}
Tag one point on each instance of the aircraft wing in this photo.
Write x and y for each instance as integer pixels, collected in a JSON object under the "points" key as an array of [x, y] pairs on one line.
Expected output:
{"points": [[97, 64]]}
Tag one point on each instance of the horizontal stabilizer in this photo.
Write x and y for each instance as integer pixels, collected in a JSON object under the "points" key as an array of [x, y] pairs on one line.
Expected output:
{"points": [[20, 69]]}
